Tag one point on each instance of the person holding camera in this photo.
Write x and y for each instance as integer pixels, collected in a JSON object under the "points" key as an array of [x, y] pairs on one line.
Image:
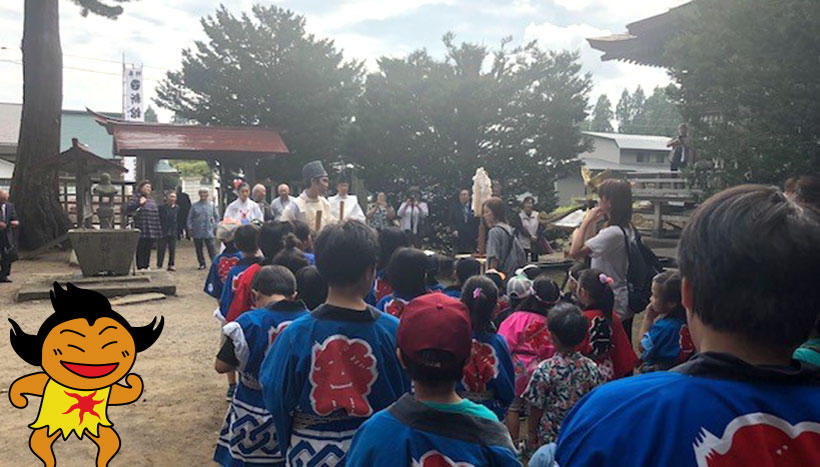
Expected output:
{"points": [[412, 213]]}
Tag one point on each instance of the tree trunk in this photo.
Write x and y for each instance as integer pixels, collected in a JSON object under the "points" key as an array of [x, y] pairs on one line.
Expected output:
{"points": [[34, 188]]}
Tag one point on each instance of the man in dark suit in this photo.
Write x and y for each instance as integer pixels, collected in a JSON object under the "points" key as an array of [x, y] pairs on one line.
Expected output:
{"points": [[184, 202], [8, 245], [464, 224]]}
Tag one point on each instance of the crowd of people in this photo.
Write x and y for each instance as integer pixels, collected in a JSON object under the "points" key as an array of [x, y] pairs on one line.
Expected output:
{"points": [[347, 344]]}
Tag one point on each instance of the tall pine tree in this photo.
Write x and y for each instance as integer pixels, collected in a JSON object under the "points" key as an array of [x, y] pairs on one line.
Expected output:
{"points": [[602, 115]]}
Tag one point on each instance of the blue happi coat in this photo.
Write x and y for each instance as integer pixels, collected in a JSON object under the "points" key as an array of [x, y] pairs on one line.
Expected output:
{"points": [[230, 283], [489, 376], [326, 374], [248, 435], [713, 410], [220, 267], [410, 433]]}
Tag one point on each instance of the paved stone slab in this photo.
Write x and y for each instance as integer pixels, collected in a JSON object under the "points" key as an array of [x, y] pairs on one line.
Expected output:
{"points": [[138, 298], [39, 286]]}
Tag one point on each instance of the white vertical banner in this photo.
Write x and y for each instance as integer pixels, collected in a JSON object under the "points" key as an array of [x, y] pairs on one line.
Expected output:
{"points": [[132, 97]]}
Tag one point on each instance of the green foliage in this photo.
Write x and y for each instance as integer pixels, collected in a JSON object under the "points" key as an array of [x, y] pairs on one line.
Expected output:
{"points": [[192, 168], [264, 69], [100, 8], [653, 115], [602, 115], [150, 114], [747, 80]]}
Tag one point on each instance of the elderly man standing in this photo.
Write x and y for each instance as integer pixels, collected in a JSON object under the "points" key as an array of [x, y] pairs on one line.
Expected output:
{"points": [[282, 202], [243, 208], [258, 195], [8, 246], [202, 221], [311, 206]]}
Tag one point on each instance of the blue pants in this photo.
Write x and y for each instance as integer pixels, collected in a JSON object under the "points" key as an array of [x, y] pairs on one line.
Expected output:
{"points": [[544, 456]]}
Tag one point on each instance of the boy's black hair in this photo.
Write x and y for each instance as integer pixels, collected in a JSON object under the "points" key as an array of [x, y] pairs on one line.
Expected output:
{"points": [[600, 292], [407, 272], [311, 286], [481, 304], [567, 324], [302, 231], [72, 303], [390, 240], [751, 257], [274, 280], [446, 266], [246, 238], [434, 368], [669, 282], [291, 256], [467, 268], [345, 252], [272, 238], [546, 294]]}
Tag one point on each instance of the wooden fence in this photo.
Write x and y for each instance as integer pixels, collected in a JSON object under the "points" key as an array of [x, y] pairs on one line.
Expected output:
{"points": [[671, 198]]}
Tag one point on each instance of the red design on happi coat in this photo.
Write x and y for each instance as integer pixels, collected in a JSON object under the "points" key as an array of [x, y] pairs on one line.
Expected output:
{"points": [[687, 347], [85, 404], [481, 367], [395, 307], [537, 335], [224, 267], [274, 332], [383, 289], [342, 372], [760, 439], [437, 459]]}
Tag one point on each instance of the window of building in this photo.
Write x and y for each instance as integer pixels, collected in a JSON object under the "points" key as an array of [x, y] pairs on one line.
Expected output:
{"points": [[642, 157], [660, 158]]}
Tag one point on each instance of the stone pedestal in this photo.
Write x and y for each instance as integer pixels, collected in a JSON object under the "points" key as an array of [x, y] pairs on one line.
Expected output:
{"points": [[104, 252]]}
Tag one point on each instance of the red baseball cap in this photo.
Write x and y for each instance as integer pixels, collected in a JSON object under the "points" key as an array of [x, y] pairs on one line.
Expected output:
{"points": [[435, 321]]}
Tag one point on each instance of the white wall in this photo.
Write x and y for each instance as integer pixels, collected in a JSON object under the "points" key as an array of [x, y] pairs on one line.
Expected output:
{"points": [[604, 149], [571, 186]]}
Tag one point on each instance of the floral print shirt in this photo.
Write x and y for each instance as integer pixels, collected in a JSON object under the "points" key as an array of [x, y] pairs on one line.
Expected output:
{"points": [[556, 386]]}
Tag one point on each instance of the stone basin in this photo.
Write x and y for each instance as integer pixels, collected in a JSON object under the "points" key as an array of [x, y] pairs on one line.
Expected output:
{"points": [[104, 251]]}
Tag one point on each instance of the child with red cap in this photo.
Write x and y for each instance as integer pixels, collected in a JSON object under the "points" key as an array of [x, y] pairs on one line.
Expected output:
{"points": [[434, 426]]}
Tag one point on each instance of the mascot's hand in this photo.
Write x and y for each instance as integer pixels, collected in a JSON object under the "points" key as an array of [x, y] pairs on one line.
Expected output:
{"points": [[135, 382], [17, 398]]}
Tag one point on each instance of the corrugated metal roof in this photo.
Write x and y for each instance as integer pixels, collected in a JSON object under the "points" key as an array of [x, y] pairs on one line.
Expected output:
{"points": [[639, 142]]}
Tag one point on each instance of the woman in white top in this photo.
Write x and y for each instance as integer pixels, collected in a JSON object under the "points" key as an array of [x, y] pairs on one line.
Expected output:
{"points": [[607, 248], [412, 213], [528, 234], [243, 208]]}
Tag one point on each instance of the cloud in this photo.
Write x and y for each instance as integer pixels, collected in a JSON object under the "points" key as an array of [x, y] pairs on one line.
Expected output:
{"points": [[358, 11]]}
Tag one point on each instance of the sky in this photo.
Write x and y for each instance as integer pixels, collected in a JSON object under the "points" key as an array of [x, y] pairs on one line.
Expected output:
{"points": [[154, 32]]}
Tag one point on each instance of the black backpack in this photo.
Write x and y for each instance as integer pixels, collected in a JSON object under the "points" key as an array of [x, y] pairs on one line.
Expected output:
{"points": [[642, 266]]}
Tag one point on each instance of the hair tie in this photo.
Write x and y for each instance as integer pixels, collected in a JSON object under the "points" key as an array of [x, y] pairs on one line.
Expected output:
{"points": [[606, 280], [476, 293], [541, 300]]}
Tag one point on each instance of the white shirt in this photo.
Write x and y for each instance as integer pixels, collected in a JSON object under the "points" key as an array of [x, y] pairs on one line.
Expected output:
{"points": [[609, 255], [245, 212], [352, 208], [530, 227], [305, 209], [411, 215]]}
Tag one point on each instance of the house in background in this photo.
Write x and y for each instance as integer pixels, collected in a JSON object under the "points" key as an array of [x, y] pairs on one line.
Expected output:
{"points": [[621, 153]]}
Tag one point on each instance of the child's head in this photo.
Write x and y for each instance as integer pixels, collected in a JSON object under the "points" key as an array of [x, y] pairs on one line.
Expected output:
{"points": [[749, 269], [272, 238], [467, 268], [567, 326], [434, 341], [497, 277], [390, 240], [273, 281], [346, 256], [407, 272], [480, 295], [302, 232], [595, 291], [544, 294], [226, 230], [291, 256], [666, 294], [247, 239], [311, 286], [519, 289], [446, 270]]}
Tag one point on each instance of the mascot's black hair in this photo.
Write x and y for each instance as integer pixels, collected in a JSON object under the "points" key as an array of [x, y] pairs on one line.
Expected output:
{"points": [[72, 303]]}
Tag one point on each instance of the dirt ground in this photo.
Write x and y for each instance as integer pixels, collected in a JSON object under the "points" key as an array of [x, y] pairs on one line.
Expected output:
{"points": [[176, 420]]}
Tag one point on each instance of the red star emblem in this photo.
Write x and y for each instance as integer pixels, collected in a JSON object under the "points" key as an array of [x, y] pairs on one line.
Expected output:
{"points": [[85, 404]]}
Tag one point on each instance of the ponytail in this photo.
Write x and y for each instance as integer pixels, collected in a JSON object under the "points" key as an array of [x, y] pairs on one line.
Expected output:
{"points": [[480, 295], [599, 287]]}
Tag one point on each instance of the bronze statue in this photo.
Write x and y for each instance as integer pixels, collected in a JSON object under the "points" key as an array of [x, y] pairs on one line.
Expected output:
{"points": [[106, 191]]}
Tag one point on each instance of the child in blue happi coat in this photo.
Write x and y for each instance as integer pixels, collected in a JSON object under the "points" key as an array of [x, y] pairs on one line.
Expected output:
{"points": [[666, 317], [248, 436], [407, 273]]}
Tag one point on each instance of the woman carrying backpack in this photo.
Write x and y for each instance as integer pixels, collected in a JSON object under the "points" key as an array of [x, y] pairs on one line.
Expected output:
{"points": [[608, 248], [504, 250]]}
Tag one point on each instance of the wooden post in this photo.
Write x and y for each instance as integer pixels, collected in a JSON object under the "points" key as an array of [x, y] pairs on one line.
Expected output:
{"points": [[341, 210], [482, 238], [657, 218], [317, 224], [123, 208]]}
